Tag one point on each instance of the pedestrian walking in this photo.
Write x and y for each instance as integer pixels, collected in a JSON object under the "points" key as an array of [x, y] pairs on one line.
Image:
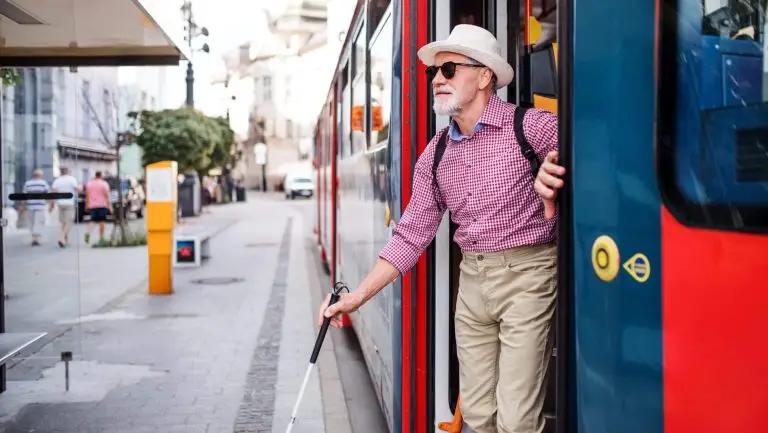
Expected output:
{"points": [[36, 207], [67, 207], [98, 205]]}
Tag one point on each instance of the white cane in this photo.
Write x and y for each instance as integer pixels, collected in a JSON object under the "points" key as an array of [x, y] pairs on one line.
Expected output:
{"points": [[335, 295]]}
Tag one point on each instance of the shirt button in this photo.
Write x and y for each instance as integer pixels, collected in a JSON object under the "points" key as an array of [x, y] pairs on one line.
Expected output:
{"points": [[469, 165], [469, 194], [474, 220], [480, 257]]}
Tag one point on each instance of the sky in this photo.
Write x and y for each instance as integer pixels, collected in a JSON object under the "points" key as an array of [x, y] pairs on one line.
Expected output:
{"points": [[229, 23]]}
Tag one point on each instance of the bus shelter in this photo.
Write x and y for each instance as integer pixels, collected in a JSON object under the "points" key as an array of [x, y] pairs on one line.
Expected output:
{"points": [[60, 114]]}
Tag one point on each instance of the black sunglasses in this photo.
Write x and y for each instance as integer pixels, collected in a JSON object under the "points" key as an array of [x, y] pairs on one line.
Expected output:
{"points": [[448, 69]]}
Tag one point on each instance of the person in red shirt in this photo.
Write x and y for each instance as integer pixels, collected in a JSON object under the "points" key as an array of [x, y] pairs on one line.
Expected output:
{"points": [[98, 204], [506, 230]]}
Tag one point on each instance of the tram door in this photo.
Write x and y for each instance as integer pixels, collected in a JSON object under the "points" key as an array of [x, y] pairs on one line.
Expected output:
{"points": [[534, 50], [58, 129], [526, 31]]}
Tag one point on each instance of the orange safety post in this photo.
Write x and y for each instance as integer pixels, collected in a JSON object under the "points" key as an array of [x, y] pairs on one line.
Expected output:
{"points": [[162, 190]]}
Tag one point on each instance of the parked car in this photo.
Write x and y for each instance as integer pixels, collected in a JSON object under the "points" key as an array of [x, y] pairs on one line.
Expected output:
{"points": [[300, 185], [134, 200]]}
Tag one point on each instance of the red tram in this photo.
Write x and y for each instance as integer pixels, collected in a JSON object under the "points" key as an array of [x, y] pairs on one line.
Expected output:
{"points": [[664, 222]]}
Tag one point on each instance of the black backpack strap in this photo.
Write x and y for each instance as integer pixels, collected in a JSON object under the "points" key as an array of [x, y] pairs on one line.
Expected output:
{"points": [[439, 151], [525, 146]]}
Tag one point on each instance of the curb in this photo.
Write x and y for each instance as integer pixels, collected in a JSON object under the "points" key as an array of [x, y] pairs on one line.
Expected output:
{"points": [[335, 410]]}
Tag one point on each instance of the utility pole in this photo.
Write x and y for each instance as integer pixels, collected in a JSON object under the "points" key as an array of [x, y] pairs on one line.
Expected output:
{"points": [[190, 26]]}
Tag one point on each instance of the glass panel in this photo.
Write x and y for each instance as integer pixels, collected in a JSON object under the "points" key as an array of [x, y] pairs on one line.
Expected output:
{"points": [[377, 9], [713, 137], [380, 324], [359, 106], [43, 118], [42, 266], [537, 76], [381, 84], [468, 12], [326, 127], [347, 122]]}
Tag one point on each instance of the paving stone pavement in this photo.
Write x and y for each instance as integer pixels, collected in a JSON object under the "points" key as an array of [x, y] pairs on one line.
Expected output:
{"points": [[48, 288], [211, 358]]}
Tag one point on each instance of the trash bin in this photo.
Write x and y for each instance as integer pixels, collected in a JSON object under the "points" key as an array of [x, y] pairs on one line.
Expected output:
{"points": [[189, 195], [240, 192]]}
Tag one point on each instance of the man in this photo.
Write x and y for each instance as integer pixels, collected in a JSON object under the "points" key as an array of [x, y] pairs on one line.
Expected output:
{"points": [[36, 207], [66, 183], [98, 204], [505, 229]]}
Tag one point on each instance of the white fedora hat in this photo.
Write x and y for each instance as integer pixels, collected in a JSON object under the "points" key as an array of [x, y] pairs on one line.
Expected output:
{"points": [[476, 43]]}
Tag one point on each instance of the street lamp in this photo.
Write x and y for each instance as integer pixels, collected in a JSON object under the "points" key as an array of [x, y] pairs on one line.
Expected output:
{"points": [[233, 97], [226, 90], [193, 31]]}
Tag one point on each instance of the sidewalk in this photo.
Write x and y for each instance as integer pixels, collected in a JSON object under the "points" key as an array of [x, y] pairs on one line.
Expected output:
{"points": [[225, 353], [48, 288]]}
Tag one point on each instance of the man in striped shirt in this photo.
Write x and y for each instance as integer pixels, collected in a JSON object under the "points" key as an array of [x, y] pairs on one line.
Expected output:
{"points": [[36, 207], [506, 231]]}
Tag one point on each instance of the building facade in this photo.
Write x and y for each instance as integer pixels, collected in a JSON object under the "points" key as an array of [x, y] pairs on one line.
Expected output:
{"points": [[281, 81], [57, 117], [140, 88]]}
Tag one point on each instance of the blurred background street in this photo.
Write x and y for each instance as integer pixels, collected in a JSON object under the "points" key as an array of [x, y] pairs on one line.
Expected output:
{"points": [[226, 352]]}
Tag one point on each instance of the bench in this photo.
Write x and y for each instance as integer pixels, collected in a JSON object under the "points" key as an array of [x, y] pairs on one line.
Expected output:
{"points": [[190, 249]]}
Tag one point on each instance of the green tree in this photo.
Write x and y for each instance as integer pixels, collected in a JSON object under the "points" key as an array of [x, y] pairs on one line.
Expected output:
{"points": [[223, 145], [195, 141], [10, 76]]}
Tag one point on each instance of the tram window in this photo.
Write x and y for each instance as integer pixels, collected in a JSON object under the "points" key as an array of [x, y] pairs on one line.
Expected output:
{"points": [[377, 9], [469, 12], [328, 133], [345, 111], [537, 75], [713, 120], [358, 54], [381, 83], [543, 77], [359, 105]]}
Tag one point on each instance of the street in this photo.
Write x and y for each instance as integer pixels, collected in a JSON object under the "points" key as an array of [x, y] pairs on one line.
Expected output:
{"points": [[226, 352]]}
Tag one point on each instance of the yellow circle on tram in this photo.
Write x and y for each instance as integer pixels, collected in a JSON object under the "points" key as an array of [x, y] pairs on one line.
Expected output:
{"points": [[605, 258]]}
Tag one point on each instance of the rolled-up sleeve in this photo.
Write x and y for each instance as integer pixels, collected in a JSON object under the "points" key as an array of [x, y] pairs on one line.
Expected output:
{"points": [[541, 128], [419, 222]]}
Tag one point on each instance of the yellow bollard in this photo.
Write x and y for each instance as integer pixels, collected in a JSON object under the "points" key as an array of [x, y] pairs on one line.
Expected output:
{"points": [[162, 195]]}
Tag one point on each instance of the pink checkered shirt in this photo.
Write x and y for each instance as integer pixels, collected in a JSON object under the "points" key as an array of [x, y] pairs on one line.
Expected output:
{"points": [[486, 183]]}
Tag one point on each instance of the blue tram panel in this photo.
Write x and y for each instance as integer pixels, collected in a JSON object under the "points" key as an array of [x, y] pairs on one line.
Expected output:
{"points": [[722, 138]]}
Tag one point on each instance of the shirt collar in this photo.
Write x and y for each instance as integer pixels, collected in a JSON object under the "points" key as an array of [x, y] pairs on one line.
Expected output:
{"points": [[455, 134], [492, 115]]}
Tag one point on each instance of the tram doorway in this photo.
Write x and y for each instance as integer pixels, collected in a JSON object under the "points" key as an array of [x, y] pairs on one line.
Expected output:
{"points": [[526, 31]]}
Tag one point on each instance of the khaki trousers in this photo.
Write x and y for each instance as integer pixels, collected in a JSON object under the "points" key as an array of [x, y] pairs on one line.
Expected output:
{"points": [[504, 311]]}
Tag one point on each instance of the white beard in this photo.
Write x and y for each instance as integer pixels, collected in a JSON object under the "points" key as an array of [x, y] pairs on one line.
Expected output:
{"points": [[447, 108]]}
